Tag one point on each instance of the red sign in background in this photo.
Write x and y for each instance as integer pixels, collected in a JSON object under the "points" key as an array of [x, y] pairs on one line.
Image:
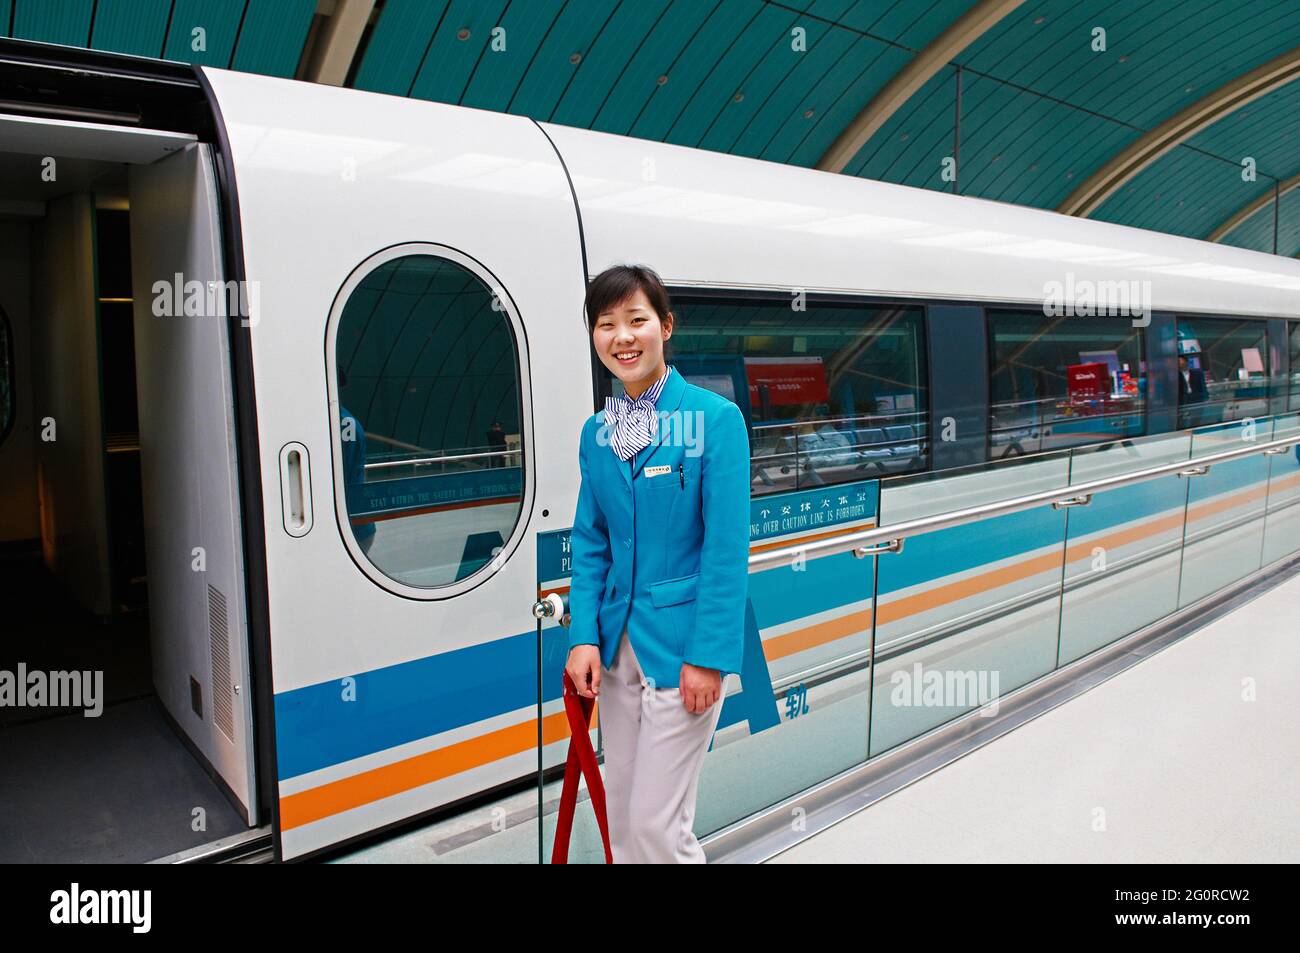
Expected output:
{"points": [[1088, 381], [787, 382]]}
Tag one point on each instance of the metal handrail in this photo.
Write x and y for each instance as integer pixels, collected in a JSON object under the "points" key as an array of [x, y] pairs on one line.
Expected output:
{"points": [[870, 540], [889, 539], [818, 421], [420, 461]]}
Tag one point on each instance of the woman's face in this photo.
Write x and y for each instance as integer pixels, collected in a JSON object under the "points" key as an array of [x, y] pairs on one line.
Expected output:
{"points": [[632, 327]]}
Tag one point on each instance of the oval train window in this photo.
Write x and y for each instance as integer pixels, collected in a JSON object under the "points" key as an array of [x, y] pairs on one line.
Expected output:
{"points": [[429, 420]]}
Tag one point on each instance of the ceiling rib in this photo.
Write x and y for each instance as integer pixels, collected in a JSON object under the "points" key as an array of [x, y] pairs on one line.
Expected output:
{"points": [[342, 35], [1112, 176], [977, 21], [1247, 211]]}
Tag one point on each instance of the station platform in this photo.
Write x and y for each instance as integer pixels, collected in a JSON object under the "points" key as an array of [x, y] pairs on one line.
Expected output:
{"points": [[1190, 756]]}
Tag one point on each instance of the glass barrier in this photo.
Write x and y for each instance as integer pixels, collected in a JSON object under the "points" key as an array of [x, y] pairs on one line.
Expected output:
{"points": [[1124, 547], [800, 714], [967, 613], [807, 454], [1282, 519], [1225, 509], [963, 615]]}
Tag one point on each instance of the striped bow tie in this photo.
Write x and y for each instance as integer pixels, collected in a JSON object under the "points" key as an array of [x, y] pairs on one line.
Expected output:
{"points": [[633, 423]]}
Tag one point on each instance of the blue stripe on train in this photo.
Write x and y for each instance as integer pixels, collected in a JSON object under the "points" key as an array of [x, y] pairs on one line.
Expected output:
{"points": [[316, 727]]}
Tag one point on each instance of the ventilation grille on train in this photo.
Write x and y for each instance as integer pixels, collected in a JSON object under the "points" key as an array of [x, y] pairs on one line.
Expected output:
{"points": [[223, 713]]}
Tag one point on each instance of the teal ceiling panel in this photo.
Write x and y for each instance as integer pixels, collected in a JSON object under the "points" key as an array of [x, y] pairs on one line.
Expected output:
{"points": [[1256, 233], [130, 26], [911, 146], [1196, 61], [53, 21], [533, 32], [460, 46], [1010, 152], [764, 35], [911, 23], [1187, 192], [572, 31], [397, 45], [1266, 130], [1049, 93], [203, 31], [616, 50], [750, 131], [665, 51], [918, 24], [838, 98], [1159, 56], [1195, 187], [776, 81], [690, 63], [272, 37]]}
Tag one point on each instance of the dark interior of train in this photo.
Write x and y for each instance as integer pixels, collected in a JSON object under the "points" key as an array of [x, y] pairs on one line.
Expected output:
{"points": [[96, 768]]}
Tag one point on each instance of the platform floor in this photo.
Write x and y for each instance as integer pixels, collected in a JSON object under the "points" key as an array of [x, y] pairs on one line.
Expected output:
{"points": [[1171, 761]]}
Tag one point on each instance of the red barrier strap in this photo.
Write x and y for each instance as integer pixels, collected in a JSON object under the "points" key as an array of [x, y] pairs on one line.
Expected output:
{"points": [[581, 757]]}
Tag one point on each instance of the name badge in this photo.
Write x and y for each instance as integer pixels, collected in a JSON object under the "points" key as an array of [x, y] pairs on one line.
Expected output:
{"points": [[655, 471]]}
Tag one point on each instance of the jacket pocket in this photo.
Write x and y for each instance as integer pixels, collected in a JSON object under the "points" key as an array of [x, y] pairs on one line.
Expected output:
{"points": [[671, 592]]}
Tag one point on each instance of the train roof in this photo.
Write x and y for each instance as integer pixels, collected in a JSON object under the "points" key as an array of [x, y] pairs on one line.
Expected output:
{"points": [[709, 218]]}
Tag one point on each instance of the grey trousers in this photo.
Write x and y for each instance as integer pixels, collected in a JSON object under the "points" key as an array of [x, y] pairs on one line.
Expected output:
{"points": [[654, 749]]}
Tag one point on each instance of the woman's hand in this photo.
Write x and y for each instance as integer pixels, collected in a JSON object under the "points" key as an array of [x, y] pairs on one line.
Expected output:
{"points": [[583, 666], [700, 687]]}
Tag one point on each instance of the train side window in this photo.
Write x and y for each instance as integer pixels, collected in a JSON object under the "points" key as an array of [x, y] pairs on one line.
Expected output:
{"points": [[833, 393], [1062, 381], [7, 395], [428, 420], [1294, 366], [1223, 371]]}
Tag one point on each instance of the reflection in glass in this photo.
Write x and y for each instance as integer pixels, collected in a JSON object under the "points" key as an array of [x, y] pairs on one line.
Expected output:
{"points": [[1063, 381], [429, 420], [1294, 365], [1222, 370], [833, 393]]}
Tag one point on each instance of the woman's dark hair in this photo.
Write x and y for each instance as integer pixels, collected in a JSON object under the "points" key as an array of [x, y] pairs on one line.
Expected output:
{"points": [[618, 283]]}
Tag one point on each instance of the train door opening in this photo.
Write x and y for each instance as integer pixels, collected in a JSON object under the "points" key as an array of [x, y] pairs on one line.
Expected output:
{"points": [[125, 695]]}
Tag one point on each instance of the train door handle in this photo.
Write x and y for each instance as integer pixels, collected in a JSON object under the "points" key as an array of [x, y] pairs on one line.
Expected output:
{"points": [[295, 489], [879, 549], [1072, 501]]}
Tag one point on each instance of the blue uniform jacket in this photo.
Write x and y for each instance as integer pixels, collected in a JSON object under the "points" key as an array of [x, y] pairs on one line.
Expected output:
{"points": [[665, 554]]}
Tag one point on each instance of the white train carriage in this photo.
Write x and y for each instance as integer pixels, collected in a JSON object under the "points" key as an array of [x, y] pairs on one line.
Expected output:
{"points": [[361, 369]]}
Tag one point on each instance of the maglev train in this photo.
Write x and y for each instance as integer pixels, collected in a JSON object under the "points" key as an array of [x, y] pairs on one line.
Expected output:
{"points": [[300, 371]]}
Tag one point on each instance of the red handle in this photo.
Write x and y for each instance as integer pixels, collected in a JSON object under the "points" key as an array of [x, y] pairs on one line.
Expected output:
{"points": [[581, 757]]}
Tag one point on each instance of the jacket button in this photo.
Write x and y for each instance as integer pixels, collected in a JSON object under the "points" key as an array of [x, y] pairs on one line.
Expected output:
{"points": [[627, 543]]}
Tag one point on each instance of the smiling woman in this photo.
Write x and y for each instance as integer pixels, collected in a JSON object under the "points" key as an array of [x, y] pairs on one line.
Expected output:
{"points": [[676, 509]]}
